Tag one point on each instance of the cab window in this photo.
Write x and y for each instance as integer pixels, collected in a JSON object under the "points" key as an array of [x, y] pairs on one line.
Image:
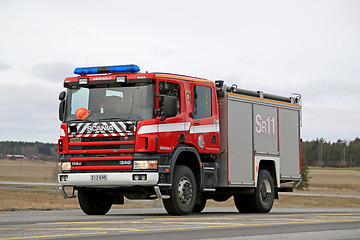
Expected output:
{"points": [[169, 89], [202, 102]]}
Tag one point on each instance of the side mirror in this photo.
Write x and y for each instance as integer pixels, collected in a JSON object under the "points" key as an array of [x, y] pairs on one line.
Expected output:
{"points": [[62, 97], [61, 110], [169, 107]]}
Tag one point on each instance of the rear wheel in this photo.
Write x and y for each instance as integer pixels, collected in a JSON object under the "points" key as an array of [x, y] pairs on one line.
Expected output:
{"points": [[263, 199], [244, 203], [183, 192], [94, 203]]}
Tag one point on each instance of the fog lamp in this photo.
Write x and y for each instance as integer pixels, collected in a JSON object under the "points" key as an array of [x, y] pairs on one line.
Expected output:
{"points": [[64, 178], [139, 177]]}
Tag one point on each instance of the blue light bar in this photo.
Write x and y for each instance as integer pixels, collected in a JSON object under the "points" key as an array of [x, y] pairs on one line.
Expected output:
{"points": [[108, 69]]}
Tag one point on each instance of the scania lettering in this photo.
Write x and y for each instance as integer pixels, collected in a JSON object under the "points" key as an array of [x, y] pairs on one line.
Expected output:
{"points": [[134, 135], [99, 128]]}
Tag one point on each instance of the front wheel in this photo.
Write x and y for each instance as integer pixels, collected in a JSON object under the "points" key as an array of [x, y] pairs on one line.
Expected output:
{"points": [[183, 192], [199, 206], [94, 203]]}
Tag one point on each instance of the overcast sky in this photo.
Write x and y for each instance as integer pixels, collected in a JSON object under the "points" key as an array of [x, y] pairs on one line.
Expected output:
{"points": [[279, 47]]}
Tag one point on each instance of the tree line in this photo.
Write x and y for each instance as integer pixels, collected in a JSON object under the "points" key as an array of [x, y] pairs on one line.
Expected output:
{"points": [[320, 153], [44, 151]]}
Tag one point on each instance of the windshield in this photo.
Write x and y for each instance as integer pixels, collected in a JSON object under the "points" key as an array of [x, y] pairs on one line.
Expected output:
{"points": [[122, 103]]}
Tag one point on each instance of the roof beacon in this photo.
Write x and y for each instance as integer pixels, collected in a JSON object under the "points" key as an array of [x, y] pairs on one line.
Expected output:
{"points": [[107, 69]]}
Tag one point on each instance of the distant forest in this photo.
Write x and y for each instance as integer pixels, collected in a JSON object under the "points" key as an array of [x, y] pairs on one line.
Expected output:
{"points": [[44, 151], [317, 153]]}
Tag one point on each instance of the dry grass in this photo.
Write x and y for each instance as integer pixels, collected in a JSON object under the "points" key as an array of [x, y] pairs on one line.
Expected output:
{"points": [[11, 200], [28, 170], [17, 199], [341, 182], [316, 202]]}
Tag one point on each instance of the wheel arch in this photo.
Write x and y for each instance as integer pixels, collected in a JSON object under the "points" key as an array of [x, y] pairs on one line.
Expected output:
{"points": [[187, 156], [272, 166], [268, 165]]}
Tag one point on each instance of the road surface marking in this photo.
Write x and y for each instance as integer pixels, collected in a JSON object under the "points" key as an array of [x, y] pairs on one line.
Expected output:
{"points": [[57, 235]]}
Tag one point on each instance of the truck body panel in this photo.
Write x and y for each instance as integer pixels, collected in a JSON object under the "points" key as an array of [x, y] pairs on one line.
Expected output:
{"points": [[240, 143], [290, 143], [257, 128]]}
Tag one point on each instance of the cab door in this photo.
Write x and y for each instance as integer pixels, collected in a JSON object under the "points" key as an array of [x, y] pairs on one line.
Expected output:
{"points": [[171, 129], [205, 125]]}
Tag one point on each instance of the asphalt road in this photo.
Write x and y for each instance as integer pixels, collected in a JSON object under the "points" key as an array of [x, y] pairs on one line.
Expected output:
{"points": [[154, 223]]}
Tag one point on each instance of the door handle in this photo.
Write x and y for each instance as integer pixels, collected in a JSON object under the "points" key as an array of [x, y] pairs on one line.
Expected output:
{"points": [[197, 122]]}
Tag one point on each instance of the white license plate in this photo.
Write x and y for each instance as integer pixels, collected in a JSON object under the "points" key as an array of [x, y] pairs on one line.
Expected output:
{"points": [[99, 178]]}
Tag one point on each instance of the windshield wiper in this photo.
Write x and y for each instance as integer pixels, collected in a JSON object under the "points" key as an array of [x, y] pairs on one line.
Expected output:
{"points": [[112, 118], [79, 120]]}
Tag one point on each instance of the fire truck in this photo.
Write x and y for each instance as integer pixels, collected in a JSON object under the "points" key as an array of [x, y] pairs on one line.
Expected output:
{"points": [[134, 135]]}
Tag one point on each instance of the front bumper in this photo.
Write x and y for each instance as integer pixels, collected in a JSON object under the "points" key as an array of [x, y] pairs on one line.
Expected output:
{"points": [[127, 179]]}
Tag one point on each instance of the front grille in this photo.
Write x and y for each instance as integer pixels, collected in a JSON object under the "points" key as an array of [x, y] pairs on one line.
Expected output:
{"points": [[98, 147], [106, 139], [101, 155], [94, 154]]}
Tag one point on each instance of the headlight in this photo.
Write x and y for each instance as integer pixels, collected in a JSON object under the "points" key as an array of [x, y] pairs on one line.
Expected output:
{"points": [[65, 166], [145, 164]]}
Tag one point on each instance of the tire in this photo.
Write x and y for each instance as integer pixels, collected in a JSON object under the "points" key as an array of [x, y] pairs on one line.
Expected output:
{"points": [[263, 199], [183, 192], [221, 198], [245, 203], [199, 207], [94, 203]]}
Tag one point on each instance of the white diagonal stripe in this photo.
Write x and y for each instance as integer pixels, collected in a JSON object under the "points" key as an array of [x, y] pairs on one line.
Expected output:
{"points": [[115, 127], [170, 127], [123, 126], [205, 128]]}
